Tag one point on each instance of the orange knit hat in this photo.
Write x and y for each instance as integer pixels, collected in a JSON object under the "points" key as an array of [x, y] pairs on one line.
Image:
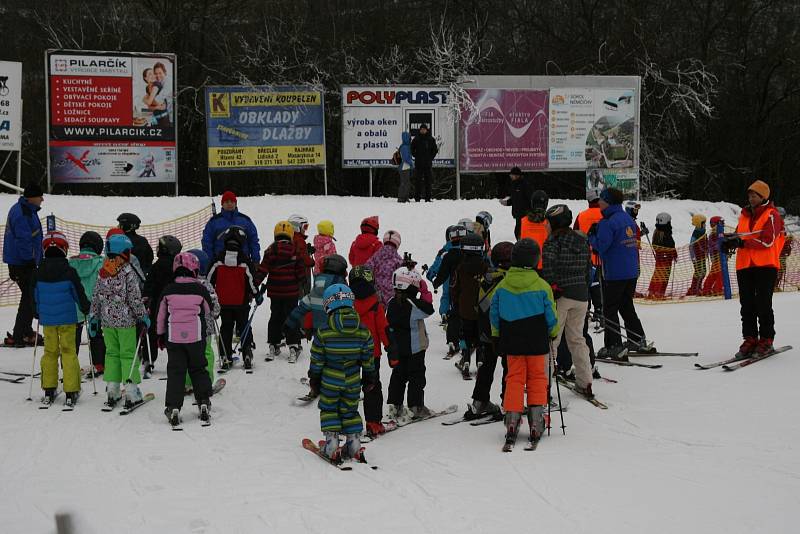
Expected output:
{"points": [[761, 188]]}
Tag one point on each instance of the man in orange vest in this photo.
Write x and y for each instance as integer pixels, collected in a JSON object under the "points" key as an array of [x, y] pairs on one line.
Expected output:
{"points": [[583, 222], [757, 243], [534, 224]]}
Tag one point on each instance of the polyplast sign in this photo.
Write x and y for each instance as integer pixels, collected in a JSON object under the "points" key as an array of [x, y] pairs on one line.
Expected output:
{"points": [[375, 117]]}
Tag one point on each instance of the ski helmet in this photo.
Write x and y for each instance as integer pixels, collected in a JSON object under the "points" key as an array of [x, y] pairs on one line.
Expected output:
{"points": [[559, 216], [593, 194], [663, 219], [393, 237], [283, 229], [525, 254], [169, 245], [129, 222], [501, 254], [92, 241], [362, 272], [456, 233], [539, 200], [715, 220], [472, 244], [334, 264], [325, 228], [632, 208], [55, 241], [370, 225], [299, 222], [485, 218], [187, 261], [403, 278], [447, 232], [337, 296], [234, 238], [202, 259], [698, 219], [118, 244]]}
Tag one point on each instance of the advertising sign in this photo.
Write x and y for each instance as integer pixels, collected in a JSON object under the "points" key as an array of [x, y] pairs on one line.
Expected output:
{"points": [[592, 128], [375, 117], [626, 180], [10, 105], [111, 117], [260, 127], [508, 128]]}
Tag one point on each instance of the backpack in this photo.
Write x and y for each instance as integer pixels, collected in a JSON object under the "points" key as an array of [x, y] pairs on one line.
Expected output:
{"points": [[397, 159]]}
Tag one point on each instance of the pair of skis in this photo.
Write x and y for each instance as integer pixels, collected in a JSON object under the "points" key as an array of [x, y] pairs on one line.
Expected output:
{"points": [[732, 364], [309, 445], [125, 411]]}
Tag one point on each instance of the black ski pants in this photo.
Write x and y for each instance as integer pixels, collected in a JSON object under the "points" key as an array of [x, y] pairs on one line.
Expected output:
{"points": [[23, 276], [422, 179], [233, 316], [485, 378], [756, 285], [373, 399], [97, 346], [411, 371], [453, 332], [279, 310], [183, 357], [618, 300], [470, 335]]}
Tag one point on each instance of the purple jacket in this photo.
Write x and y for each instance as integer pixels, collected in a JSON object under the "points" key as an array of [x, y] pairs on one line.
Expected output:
{"points": [[185, 304], [384, 263]]}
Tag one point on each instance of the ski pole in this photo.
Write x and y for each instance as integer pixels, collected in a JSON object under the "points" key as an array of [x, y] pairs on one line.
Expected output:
{"points": [[91, 355], [246, 329], [558, 391], [221, 353], [149, 355], [135, 363], [33, 363]]}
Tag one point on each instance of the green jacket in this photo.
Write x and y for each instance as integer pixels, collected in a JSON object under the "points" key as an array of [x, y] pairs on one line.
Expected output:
{"points": [[88, 264]]}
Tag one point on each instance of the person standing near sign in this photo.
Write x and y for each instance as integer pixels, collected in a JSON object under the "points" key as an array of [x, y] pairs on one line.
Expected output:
{"points": [[424, 150], [519, 198], [405, 167], [22, 251], [230, 216]]}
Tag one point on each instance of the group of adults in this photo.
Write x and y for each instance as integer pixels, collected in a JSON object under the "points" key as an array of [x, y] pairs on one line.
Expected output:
{"points": [[416, 156]]}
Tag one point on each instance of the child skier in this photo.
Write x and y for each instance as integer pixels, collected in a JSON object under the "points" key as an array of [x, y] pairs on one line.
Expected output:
{"points": [[367, 243], [484, 218], [324, 244], [284, 271], [211, 318], [373, 317], [334, 270], [304, 250], [534, 225], [384, 263], [159, 276], [524, 320], [341, 364], [56, 290], [117, 307], [712, 286], [408, 340], [181, 328], [440, 275], [464, 290], [87, 264], [233, 278], [698, 250], [664, 250]]}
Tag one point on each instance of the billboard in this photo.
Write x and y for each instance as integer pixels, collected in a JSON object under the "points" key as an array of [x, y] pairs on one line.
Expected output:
{"points": [[626, 180], [592, 128], [111, 117], [261, 127], [374, 118], [10, 105], [507, 128]]}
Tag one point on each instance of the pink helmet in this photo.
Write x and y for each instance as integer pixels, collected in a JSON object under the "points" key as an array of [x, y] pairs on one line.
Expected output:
{"points": [[393, 237], [188, 261]]}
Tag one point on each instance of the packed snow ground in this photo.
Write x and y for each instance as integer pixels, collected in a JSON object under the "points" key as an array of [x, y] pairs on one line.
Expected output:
{"points": [[678, 450]]}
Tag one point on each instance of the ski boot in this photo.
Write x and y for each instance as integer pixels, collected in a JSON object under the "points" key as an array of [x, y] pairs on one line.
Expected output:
{"points": [[596, 373], [352, 448], [227, 364], [49, 396], [133, 395], [764, 346], [480, 409], [173, 416], [536, 423], [420, 412], [452, 350], [641, 347], [294, 353], [329, 447], [375, 429], [274, 351], [747, 348], [585, 391], [511, 421], [31, 340], [617, 353], [399, 414], [72, 398], [247, 357], [568, 374], [205, 409], [147, 370]]}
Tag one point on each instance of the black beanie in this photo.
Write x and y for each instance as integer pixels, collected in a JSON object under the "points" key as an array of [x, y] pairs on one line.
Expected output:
{"points": [[33, 190], [525, 254]]}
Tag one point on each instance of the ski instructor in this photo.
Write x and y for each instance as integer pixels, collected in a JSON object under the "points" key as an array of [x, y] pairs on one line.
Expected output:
{"points": [[757, 243], [230, 216]]}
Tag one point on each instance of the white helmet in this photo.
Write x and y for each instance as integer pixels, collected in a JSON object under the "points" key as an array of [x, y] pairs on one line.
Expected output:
{"points": [[402, 278], [663, 218], [299, 223]]}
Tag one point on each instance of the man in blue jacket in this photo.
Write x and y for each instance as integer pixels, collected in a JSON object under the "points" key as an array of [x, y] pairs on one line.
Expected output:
{"points": [[22, 251], [230, 216], [614, 238]]}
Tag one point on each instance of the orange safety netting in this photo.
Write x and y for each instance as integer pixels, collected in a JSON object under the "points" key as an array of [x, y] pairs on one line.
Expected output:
{"points": [[188, 229], [688, 278]]}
